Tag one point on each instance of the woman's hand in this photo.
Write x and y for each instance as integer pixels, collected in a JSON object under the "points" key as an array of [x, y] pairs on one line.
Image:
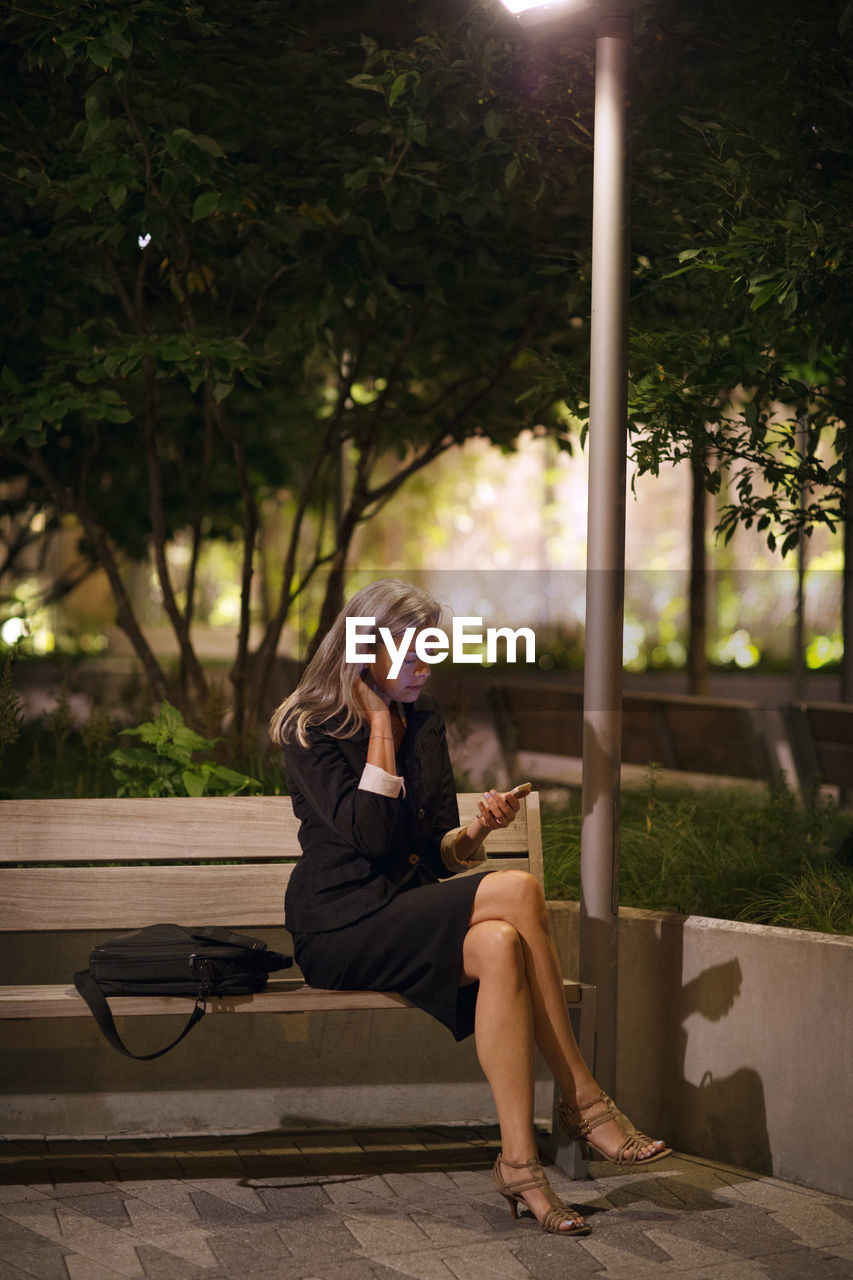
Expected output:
{"points": [[369, 701], [497, 809], [380, 746]]}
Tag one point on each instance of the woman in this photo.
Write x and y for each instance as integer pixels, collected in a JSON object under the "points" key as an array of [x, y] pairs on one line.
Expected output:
{"points": [[374, 903]]}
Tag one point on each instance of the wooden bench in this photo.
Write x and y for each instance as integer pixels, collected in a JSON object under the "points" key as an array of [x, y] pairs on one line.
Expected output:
{"points": [[157, 859], [721, 738], [821, 738]]}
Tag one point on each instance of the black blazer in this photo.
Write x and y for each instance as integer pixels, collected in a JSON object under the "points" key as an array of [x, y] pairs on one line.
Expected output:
{"points": [[359, 848]]}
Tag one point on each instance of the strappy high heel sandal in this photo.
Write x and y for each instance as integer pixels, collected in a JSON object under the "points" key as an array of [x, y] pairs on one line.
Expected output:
{"points": [[576, 1126], [556, 1215]]}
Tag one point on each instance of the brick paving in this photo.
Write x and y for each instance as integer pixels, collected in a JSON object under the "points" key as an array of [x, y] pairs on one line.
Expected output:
{"points": [[386, 1203]]}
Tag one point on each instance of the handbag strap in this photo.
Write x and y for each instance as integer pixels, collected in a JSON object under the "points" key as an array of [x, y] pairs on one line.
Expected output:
{"points": [[97, 1002]]}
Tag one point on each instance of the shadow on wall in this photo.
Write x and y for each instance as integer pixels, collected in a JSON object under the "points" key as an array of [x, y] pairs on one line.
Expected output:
{"points": [[725, 1115], [706, 1111]]}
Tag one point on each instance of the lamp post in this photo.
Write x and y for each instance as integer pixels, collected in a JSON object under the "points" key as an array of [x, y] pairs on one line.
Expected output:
{"points": [[605, 571]]}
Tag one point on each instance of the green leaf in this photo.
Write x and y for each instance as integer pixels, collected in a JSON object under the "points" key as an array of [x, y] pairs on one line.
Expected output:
{"points": [[194, 782], [396, 89], [204, 205], [366, 82], [96, 127], [176, 140], [100, 54], [763, 293], [117, 195], [355, 181], [493, 124], [68, 41], [210, 145], [511, 171], [118, 44]]}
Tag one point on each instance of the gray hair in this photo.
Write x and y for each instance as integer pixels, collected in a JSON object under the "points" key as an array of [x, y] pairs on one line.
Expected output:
{"points": [[329, 681]]}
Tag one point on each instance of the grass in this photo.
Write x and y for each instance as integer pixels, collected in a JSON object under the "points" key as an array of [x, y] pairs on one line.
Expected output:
{"points": [[736, 855]]}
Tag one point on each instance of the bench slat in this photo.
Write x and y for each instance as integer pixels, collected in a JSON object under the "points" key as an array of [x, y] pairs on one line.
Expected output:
{"points": [[130, 897], [722, 737], [153, 829], [64, 1002], [177, 829], [282, 996]]}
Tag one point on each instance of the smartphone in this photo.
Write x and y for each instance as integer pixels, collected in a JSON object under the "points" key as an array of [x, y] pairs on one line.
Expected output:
{"points": [[523, 789]]}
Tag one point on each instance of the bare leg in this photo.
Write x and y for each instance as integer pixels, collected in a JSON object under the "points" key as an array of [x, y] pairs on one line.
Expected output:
{"points": [[517, 899], [493, 955]]}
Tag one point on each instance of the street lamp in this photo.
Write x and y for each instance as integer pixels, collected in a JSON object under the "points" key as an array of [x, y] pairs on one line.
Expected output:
{"points": [[605, 571]]}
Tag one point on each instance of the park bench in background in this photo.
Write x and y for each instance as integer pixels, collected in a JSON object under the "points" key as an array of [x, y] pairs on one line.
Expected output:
{"points": [[162, 859], [821, 738], [704, 736]]}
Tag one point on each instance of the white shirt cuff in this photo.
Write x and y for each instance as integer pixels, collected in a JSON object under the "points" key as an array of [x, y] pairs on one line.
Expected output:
{"points": [[380, 782], [448, 851]]}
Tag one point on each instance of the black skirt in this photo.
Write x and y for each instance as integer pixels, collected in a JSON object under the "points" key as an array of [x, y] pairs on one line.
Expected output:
{"points": [[412, 945]]}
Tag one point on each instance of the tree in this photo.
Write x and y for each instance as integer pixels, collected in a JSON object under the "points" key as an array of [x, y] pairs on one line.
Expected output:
{"points": [[746, 204], [765, 250], [245, 245]]}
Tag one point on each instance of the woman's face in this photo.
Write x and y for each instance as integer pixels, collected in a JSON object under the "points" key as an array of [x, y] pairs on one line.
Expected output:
{"points": [[409, 681]]}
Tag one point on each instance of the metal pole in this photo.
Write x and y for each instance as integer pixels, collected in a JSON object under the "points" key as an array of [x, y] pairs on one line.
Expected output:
{"points": [[605, 574]]}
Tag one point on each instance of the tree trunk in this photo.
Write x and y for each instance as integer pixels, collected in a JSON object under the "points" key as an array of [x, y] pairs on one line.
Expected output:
{"points": [[798, 657], [847, 591], [333, 602], [846, 793], [239, 673], [191, 668], [698, 683]]}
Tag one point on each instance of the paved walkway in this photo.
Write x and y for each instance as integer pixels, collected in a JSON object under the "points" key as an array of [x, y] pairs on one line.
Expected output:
{"points": [[385, 1203]]}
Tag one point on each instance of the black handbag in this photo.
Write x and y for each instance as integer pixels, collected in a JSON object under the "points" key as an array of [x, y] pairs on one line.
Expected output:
{"points": [[168, 960]]}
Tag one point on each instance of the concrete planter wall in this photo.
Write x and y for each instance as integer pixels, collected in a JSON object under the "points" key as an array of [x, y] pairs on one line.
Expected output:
{"points": [[735, 1042]]}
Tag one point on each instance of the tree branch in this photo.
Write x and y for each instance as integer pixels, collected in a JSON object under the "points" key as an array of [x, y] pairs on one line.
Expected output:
{"points": [[283, 269], [448, 433], [180, 625], [23, 538], [125, 616], [251, 523]]}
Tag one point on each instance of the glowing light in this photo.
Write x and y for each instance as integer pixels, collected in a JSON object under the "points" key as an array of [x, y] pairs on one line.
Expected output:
{"points": [[44, 641], [739, 649], [822, 651], [13, 630], [544, 12]]}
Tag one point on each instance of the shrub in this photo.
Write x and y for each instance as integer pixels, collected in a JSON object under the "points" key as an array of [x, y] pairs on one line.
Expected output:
{"points": [[175, 761], [727, 853]]}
